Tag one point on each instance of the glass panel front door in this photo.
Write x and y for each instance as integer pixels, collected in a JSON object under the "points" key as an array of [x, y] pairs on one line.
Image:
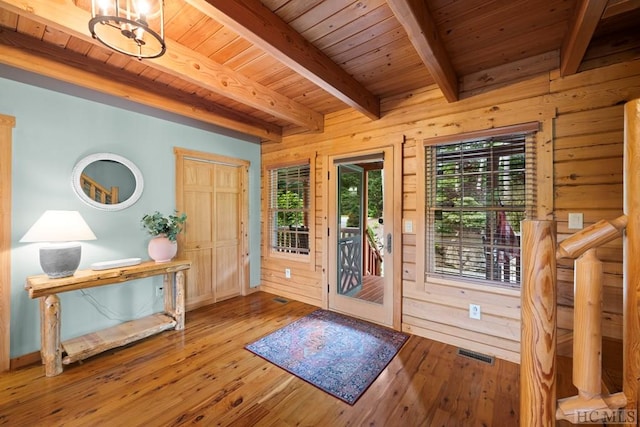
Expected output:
{"points": [[360, 224]]}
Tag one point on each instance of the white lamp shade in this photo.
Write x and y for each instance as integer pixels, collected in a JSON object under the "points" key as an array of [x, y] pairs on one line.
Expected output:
{"points": [[59, 226]]}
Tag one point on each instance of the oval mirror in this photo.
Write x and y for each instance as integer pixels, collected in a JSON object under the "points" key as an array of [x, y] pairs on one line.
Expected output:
{"points": [[107, 181]]}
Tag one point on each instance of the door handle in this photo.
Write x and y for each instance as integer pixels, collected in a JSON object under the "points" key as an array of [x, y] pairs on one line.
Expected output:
{"points": [[388, 242]]}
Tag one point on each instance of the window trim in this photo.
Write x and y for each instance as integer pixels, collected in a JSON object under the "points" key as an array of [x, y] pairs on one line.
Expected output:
{"points": [[523, 128]]}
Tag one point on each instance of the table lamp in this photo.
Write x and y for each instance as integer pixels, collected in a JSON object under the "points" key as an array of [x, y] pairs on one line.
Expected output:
{"points": [[62, 230]]}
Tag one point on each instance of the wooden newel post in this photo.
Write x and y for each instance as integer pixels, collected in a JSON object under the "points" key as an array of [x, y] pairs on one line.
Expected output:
{"points": [[538, 334], [587, 325]]}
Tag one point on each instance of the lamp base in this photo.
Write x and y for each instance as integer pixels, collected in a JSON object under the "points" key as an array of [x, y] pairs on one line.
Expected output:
{"points": [[60, 259]]}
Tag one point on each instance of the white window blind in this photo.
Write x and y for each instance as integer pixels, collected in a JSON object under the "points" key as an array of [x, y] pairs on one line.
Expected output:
{"points": [[289, 209], [478, 191]]}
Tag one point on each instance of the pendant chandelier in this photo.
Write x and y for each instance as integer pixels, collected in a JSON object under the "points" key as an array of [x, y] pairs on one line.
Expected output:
{"points": [[132, 27]]}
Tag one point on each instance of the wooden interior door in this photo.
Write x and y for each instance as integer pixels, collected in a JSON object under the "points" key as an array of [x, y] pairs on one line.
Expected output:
{"points": [[210, 189], [226, 195], [198, 238]]}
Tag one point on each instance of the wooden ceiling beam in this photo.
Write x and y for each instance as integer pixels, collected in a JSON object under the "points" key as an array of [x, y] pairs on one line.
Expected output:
{"points": [[256, 23], [617, 7], [179, 61], [29, 54], [423, 34], [585, 20]]}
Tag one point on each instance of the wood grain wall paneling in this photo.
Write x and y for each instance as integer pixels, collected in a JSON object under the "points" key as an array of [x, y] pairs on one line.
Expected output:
{"points": [[305, 283], [582, 120], [589, 175]]}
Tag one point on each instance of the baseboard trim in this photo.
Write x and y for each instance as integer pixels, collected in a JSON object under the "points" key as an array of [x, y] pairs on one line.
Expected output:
{"points": [[25, 360], [250, 291]]}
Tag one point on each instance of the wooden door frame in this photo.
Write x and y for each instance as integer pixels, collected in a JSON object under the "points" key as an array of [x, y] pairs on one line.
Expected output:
{"points": [[7, 123], [396, 200], [180, 155]]}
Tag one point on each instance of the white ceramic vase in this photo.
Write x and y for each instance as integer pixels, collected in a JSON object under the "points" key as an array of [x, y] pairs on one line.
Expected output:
{"points": [[161, 249]]}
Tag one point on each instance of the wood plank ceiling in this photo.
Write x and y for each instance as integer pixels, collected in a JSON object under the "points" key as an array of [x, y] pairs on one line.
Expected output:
{"points": [[277, 67]]}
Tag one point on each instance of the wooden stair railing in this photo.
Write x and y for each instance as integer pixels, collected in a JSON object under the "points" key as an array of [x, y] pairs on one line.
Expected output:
{"points": [[587, 321], [98, 192], [538, 405]]}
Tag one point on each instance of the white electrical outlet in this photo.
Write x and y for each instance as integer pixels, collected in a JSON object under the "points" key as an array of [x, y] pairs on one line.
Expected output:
{"points": [[159, 291], [287, 273], [474, 311]]}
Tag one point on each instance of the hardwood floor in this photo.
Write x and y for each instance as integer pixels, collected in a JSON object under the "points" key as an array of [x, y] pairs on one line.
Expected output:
{"points": [[204, 375]]}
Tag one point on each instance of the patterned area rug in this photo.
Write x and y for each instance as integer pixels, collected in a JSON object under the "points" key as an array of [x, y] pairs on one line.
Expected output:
{"points": [[336, 353]]}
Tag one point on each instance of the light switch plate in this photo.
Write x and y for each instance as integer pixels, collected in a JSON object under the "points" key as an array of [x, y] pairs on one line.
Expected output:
{"points": [[408, 226], [575, 221]]}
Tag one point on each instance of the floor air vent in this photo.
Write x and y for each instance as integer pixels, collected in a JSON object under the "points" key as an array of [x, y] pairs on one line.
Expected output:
{"points": [[477, 356], [281, 300]]}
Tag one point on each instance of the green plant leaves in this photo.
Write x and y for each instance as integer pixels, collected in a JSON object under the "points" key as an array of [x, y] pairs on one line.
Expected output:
{"points": [[158, 224]]}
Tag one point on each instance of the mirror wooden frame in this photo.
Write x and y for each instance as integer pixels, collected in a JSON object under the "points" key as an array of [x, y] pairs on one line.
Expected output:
{"points": [[83, 163]]}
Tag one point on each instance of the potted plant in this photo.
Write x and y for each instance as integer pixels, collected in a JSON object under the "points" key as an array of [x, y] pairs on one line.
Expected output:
{"points": [[165, 228]]}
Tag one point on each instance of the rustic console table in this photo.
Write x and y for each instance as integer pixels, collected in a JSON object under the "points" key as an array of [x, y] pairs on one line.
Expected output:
{"points": [[52, 348]]}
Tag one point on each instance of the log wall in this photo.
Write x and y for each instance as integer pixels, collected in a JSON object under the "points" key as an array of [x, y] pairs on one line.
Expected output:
{"points": [[579, 159]]}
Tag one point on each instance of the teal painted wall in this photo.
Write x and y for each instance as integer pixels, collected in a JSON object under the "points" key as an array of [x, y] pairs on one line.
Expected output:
{"points": [[55, 129]]}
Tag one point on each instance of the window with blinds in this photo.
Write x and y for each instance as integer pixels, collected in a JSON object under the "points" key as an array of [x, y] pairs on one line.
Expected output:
{"points": [[478, 191], [289, 209]]}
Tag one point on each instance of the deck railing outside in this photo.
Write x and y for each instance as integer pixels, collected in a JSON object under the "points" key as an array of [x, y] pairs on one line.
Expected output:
{"points": [[372, 257], [292, 239]]}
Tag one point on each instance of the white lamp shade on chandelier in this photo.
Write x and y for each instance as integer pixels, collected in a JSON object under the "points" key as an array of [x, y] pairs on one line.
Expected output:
{"points": [[131, 27], [61, 230]]}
